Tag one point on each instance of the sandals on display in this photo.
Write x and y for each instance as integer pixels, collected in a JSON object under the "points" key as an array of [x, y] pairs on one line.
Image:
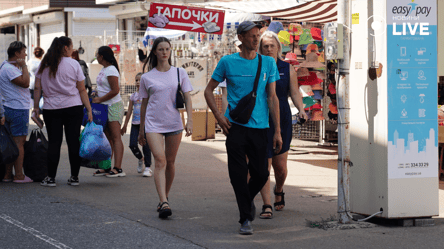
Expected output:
{"points": [[99, 172], [164, 210], [280, 203], [270, 216]]}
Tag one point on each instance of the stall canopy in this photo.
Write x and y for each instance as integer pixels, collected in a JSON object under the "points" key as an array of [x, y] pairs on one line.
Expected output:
{"points": [[317, 11]]}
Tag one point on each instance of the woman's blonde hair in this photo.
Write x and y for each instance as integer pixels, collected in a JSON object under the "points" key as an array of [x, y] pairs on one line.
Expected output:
{"points": [[270, 34]]}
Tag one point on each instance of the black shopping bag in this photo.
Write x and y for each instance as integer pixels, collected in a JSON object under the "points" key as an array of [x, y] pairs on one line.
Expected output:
{"points": [[36, 152], [8, 149]]}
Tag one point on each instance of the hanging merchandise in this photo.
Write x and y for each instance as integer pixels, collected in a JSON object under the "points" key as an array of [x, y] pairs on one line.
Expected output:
{"points": [[317, 106], [316, 34], [332, 88], [303, 72], [312, 48], [305, 38], [291, 58], [312, 61], [317, 115], [321, 75], [284, 37], [317, 86], [275, 27], [312, 79], [317, 94], [333, 107], [295, 29], [321, 58], [307, 90]]}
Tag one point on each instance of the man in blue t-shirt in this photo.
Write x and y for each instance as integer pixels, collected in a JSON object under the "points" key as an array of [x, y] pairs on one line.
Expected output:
{"points": [[250, 139]]}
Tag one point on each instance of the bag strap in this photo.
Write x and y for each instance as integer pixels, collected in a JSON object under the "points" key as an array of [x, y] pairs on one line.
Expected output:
{"points": [[178, 80], [258, 73]]}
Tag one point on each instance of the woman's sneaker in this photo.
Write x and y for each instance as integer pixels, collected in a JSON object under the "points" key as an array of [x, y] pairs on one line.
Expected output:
{"points": [[140, 166], [148, 172], [48, 182], [73, 181]]}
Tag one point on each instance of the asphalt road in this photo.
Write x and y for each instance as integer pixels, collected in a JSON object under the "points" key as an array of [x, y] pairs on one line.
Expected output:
{"points": [[121, 212]]}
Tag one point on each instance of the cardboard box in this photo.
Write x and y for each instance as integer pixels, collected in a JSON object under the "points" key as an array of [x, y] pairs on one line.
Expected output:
{"points": [[203, 126], [440, 134]]}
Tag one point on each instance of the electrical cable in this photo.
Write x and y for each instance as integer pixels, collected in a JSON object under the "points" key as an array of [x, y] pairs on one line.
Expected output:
{"points": [[371, 216]]}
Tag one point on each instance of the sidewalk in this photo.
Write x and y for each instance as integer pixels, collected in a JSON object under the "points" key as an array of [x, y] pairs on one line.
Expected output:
{"points": [[204, 207]]}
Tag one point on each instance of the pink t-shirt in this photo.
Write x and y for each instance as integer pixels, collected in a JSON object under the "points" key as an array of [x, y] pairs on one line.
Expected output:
{"points": [[61, 92], [161, 87]]}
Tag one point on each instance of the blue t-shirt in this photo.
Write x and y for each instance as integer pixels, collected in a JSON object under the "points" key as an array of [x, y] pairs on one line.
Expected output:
{"points": [[240, 74]]}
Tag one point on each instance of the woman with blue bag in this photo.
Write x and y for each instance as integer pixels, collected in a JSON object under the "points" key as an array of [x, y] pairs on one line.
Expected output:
{"points": [[62, 81], [108, 82]]}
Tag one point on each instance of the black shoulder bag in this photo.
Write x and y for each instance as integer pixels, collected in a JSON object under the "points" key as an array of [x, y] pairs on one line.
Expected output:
{"points": [[179, 94], [242, 113]]}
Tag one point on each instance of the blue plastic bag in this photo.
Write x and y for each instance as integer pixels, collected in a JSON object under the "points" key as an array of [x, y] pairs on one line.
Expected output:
{"points": [[100, 114], [94, 145]]}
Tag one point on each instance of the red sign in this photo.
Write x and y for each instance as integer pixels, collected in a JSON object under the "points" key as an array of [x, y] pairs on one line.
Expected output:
{"points": [[185, 18]]}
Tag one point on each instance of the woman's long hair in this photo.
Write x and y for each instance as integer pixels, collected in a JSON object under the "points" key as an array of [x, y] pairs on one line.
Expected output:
{"points": [[108, 55], [54, 55], [270, 34], [151, 60]]}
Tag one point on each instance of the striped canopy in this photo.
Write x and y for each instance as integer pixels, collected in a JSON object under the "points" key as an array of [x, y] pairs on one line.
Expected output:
{"points": [[316, 11], [320, 11]]}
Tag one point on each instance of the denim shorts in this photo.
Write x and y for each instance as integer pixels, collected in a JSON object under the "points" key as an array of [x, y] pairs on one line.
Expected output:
{"points": [[172, 133], [17, 120]]}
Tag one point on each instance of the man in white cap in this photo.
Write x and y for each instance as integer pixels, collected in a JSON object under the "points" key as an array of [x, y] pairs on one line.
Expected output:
{"points": [[247, 139]]}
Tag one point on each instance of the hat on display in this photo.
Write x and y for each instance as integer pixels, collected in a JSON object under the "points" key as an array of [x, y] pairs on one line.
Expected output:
{"points": [[332, 88], [295, 29], [316, 34], [317, 106], [317, 115], [312, 48], [312, 79], [333, 108], [312, 61], [319, 44], [307, 90], [321, 75], [284, 37], [317, 94], [246, 26], [305, 38], [275, 27], [303, 72], [291, 58], [308, 102], [317, 86]]}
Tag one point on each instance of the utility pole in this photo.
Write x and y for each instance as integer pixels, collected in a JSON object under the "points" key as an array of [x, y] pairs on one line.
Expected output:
{"points": [[344, 17]]}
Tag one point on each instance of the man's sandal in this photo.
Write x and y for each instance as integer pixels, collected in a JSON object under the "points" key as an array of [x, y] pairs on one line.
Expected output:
{"points": [[270, 216], [282, 202], [102, 173], [165, 210]]}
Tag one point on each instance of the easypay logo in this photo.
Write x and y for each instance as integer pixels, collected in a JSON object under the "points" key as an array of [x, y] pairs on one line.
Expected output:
{"points": [[411, 9]]}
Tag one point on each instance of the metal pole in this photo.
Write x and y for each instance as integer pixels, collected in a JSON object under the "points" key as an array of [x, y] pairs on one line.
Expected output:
{"points": [[344, 14]]}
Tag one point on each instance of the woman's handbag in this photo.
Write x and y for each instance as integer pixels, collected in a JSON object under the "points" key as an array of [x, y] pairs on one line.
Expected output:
{"points": [[242, 113], [180, 101]]}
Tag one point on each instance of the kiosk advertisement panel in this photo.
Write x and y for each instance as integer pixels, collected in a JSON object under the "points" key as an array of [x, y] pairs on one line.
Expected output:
{"points": [[412, 89]]}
